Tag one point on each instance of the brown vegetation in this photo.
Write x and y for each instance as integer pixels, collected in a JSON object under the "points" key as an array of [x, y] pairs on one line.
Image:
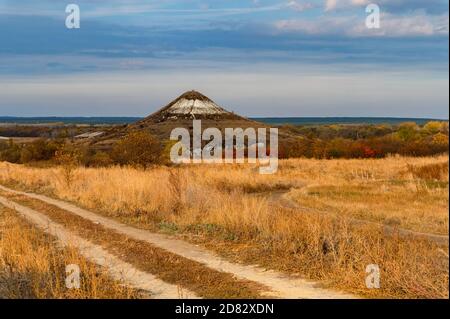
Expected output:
{"points": [[339, 141], [139, 146], [435, 171], [215, 205], [32, 266], [137, 149], [169, 267]]}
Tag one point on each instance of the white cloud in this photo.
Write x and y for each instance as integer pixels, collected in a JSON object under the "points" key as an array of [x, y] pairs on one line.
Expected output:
{"points": [[330, 5], [401, 26], [360, 2], [431, 6], [118, 8], [300, 6], [417, 24]]}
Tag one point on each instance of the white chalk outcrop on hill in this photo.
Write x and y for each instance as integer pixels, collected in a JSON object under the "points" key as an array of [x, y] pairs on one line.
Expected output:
{"points": [[189, 106], [195, 106]]}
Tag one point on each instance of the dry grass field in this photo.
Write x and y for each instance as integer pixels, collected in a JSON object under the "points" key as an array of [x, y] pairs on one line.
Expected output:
{"points": [[33, 266], [239, 214]]}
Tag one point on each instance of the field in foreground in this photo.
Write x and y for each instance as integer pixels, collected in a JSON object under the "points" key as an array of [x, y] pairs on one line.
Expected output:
{"points": [[300, 220], [32, 266]]}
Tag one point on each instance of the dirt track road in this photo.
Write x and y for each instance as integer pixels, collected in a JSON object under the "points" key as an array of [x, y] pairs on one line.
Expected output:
{"points": [[117, 269], [279, 285]]}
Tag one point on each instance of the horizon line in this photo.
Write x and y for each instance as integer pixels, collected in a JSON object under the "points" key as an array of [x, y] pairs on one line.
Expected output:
{"points": [[253, 117]]}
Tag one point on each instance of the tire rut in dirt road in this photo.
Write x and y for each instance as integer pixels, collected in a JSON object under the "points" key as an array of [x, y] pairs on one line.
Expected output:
{"points": [[280, 199], [166, 266], [281, 285], [117, 269]]}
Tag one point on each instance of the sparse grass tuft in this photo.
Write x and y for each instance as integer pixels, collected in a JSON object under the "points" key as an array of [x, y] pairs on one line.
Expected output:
{"points": [[435, 171]]}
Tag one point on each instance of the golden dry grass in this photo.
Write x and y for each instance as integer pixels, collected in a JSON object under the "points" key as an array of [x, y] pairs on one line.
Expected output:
{"points": [[216, 204], [394, 190], [390, 191], [33, 266], [171, 268]]}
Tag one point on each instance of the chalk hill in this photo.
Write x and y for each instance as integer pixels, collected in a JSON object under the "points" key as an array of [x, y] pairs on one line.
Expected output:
{"points": [[189, 106]]}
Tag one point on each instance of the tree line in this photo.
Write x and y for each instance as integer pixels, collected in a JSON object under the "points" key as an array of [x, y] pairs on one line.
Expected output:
{"points": [[140, 148]]}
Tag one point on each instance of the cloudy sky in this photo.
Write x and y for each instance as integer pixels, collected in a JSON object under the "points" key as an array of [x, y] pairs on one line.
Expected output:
{"points": [[255, 57]]}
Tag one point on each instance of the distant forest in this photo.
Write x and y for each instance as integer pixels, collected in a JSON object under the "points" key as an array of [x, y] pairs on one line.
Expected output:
{"points": [[311, 141]]}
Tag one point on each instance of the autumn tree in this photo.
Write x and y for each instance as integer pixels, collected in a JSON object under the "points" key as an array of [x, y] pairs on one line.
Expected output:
{"points": [[137, 149]]}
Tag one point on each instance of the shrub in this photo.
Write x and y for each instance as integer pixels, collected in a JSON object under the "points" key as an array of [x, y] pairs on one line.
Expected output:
{"points": [[137, 149], [11, 152], [298, 147], [433, 127], [408, 131], [39, 150], [69, 158], [100, 159], [165, 152], [440, 139]]}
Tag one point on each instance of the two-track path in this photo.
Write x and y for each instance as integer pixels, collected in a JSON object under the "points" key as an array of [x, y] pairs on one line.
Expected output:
{"points": [[278, 285], [280, 198], [117, 269]]}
